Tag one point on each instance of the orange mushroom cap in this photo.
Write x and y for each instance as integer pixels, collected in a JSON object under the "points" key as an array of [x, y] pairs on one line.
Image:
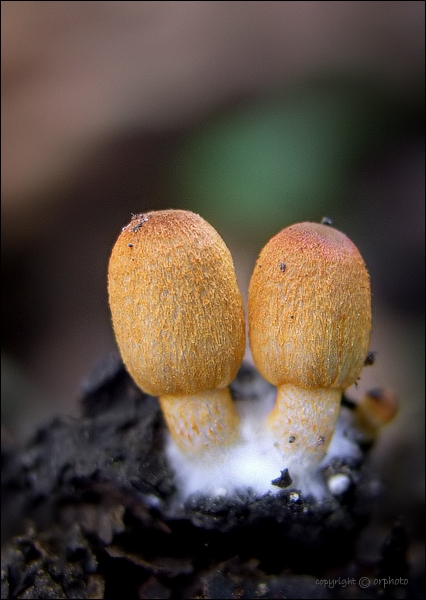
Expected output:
{"points": [[176, 308], [376, 409], [310, 308]]}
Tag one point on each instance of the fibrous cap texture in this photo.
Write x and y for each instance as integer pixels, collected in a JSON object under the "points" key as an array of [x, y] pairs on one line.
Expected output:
{"points": [[310, 308], [176, 308]]}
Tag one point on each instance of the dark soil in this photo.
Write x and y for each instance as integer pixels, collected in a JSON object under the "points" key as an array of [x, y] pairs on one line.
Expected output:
{"points": [[97, 502]]}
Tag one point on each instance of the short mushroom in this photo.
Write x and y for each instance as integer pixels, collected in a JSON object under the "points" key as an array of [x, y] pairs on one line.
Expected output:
{"points": [[377, 408], [309, 328], [178, 319]]}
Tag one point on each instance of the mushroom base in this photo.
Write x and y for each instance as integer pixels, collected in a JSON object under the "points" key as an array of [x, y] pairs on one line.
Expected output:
{"points": [[107, 521]]}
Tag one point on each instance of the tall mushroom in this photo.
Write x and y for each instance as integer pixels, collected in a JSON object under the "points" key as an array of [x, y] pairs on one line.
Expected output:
{"points": [[178, 319]]}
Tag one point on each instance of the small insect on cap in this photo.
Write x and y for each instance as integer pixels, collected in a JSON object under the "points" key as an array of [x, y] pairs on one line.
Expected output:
{"points": [[176, 308], [310, 308]]}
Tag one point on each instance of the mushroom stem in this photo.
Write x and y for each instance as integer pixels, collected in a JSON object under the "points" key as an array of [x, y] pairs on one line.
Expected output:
{"points": [[203, 423], [303, 421]]}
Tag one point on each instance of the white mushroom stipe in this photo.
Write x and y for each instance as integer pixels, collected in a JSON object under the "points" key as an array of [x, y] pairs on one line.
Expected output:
{"points": [[254, 463]]}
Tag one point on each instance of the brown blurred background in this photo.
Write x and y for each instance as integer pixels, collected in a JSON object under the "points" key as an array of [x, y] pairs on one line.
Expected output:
{"points": [[253, 114]]}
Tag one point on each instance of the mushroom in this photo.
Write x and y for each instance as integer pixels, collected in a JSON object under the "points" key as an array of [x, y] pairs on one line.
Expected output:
{"points": [[178, 319], [377, 408], [309, 327]]}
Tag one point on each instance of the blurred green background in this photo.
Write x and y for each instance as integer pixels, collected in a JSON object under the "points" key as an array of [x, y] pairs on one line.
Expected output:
{"points": [[253, 114]]}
